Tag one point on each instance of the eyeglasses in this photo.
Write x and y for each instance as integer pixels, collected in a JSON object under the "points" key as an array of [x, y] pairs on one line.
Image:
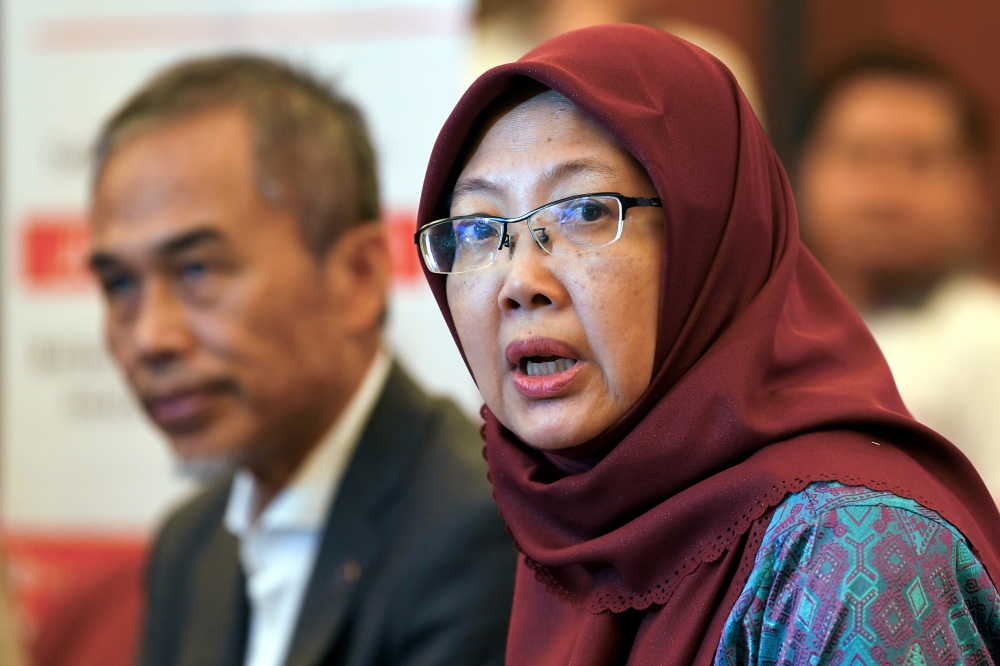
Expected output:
{"points": [[574, 225]]}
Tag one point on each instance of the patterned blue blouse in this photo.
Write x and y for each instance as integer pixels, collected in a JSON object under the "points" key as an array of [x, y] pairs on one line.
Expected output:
{"points": [[847, 575]]}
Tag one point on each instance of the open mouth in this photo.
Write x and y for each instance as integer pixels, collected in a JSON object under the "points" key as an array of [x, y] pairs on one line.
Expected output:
{"points": [[543, 366]]}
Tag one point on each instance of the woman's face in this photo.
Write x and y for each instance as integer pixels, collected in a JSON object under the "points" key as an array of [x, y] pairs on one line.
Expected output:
{"points": [[561, 346]]}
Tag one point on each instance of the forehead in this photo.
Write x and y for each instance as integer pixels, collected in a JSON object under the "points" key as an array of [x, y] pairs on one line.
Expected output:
{"points": [[192, 171], [533, 137], [892, 107]]}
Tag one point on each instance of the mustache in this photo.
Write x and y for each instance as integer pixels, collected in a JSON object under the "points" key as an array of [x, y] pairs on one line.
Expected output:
{"points": [[150, 387]]}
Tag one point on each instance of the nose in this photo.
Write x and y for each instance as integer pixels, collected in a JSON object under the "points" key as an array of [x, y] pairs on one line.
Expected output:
{"points": [[160, 333], [529, 284]]}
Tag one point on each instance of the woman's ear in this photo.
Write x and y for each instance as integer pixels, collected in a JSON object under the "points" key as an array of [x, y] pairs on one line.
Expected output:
{"points": [[357, 270]]}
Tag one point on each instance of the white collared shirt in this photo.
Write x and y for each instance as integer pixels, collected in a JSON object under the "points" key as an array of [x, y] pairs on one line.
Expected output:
{"points": [[278, 549]]}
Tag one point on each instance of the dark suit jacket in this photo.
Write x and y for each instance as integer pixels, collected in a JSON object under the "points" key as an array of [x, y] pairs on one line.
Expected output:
{"points": [[415, 566]]}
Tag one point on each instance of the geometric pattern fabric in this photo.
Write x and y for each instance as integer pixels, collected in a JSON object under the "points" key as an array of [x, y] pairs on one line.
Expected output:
{"points": [[850, 576]]}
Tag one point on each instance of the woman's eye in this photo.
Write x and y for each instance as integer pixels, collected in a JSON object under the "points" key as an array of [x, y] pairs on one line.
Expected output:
{"points": [[587, 211], [591, 213], [478, 231]]}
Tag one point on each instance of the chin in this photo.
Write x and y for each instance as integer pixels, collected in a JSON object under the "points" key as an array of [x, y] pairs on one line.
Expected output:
{"points": [[553, 446], [551, 436], [205, 456], [551, 425]]}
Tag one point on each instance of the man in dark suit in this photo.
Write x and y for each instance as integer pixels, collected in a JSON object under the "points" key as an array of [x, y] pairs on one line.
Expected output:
{"points": [[245, 275]]}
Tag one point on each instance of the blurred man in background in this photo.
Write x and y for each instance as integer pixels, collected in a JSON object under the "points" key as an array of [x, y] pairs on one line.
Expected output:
{"points": [[245, 274], [893, 193]]}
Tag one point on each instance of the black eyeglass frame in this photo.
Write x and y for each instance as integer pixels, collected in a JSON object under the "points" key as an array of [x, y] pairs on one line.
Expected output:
{"points": [[625, 202]]}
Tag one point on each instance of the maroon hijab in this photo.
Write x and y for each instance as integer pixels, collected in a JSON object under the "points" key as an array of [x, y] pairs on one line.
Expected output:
{"points": [[765, 380]]}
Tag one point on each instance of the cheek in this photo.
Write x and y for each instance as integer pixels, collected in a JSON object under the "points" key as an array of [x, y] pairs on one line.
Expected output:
{"points": [[266, 331], [473, 305], [611, 293], [954, 202], [828, 192], [228, 328], [116, 340]]}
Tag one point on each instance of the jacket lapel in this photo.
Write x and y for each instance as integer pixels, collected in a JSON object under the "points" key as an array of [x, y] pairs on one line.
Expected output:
{"points": [[351, 540], [216, 629]]}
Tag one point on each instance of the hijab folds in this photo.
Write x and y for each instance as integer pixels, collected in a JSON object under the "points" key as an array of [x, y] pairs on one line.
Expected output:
{"points": [[765, 380]]}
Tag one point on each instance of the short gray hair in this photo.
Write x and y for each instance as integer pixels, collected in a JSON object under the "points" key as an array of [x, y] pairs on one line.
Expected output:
{"points": [[313, 156]]}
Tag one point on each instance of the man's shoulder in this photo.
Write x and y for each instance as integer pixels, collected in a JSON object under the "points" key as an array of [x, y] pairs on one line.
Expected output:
{"points": [[439, 563], [450, 452], [444, 443]]}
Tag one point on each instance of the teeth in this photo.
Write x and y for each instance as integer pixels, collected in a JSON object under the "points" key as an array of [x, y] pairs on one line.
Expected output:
{"points": [[549, 367]]}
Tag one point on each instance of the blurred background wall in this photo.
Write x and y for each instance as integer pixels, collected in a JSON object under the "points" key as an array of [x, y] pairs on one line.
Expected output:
{"points": [[83, 478]]}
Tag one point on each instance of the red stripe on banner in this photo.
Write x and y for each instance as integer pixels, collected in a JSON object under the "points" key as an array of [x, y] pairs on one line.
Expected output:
{"points": [[92, 33], [400, 226], [54, 251], [80, 597]]}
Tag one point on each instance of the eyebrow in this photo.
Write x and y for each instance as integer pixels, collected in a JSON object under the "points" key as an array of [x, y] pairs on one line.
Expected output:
{"points": [[475, 186], [103, 260], [563, 170], [582, 166]]}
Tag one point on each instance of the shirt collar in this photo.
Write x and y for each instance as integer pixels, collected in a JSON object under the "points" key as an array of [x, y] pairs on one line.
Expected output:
{"points": [[303, 504]]}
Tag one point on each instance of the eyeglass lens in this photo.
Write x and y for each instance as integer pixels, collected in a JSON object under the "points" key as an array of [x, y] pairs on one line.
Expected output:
{"points": [[568, 227]]}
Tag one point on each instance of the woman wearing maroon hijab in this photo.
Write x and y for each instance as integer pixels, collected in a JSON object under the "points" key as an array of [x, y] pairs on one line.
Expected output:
{"points": [[695, 442]]}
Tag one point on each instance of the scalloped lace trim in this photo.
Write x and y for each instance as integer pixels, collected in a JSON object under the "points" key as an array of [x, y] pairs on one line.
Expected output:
{"points": [[621, 601]]}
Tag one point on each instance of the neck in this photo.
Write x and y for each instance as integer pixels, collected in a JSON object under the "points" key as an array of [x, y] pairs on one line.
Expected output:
{"points": [[272, 478], [300, 435]]}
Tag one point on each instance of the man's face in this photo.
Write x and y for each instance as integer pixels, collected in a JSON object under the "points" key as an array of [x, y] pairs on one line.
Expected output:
{"points": [[888, 190], [229, 330]]}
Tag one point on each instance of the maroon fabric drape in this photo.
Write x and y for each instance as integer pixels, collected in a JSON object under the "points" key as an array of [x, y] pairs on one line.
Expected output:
{"points": [[765, 379]]}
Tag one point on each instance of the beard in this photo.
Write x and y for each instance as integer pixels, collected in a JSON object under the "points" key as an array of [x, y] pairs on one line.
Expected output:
{"points": [[205, 470]]}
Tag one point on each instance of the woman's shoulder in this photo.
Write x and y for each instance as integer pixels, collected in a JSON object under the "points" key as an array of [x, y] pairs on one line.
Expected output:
{"points": [[839, 511], [850, 541], [845, 571]]}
